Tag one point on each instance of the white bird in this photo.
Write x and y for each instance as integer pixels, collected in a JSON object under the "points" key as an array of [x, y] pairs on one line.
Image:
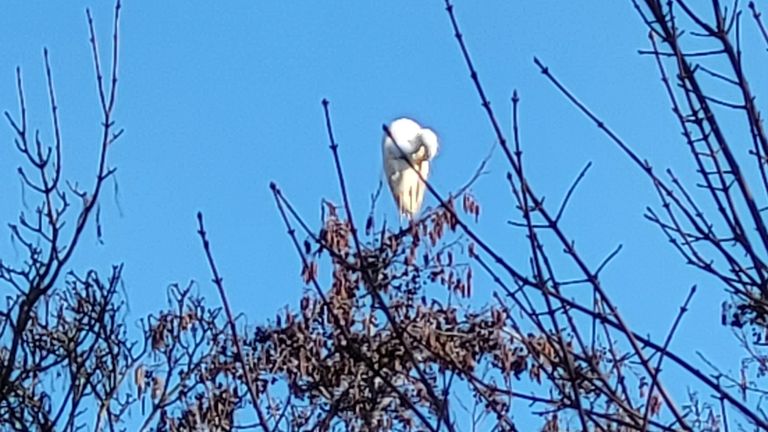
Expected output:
{"points": [[414, 143]]}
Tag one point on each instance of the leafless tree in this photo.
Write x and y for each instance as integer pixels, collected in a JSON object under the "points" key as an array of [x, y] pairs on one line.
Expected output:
{"points": [[57, 323], [387, 335]]}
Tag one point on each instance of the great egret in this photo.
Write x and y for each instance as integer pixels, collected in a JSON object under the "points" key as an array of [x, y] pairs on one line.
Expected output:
{"points": [[414, 143]]}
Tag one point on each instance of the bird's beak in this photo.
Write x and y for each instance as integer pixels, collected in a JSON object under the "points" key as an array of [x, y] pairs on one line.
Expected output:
{"points": [[420, 155]]}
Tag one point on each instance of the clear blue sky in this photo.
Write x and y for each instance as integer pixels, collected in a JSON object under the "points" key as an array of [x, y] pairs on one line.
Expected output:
{"points": [[219, 99]]}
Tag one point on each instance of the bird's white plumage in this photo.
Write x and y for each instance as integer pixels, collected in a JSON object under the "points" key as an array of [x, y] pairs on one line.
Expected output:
{"points": [[417, 145]]}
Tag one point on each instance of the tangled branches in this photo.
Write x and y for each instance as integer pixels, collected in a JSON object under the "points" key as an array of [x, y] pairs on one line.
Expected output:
{"points": [[389, 333]]}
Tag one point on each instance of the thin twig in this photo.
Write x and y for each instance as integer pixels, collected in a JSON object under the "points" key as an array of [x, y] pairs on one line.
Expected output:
{"points": [[667, 342], [219, 282], [568, 194], [757, 16]]}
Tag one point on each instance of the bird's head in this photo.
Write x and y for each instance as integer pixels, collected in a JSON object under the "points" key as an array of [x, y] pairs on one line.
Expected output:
{"points": [[429, 141]]}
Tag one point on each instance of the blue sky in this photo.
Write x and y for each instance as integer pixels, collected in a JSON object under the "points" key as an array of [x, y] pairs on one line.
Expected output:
{"points": [[219, 99]]}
